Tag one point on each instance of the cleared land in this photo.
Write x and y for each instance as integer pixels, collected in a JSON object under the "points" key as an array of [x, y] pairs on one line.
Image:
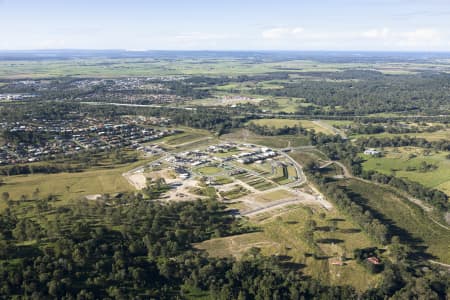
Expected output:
{"points": [[245, 136], [68, 186], [274, 195], [407, 162], [209, 170]]}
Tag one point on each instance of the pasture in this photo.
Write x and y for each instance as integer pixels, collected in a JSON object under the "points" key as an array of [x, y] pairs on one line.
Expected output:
{"points": [[406, 162], [209, 170], [68, 186]]}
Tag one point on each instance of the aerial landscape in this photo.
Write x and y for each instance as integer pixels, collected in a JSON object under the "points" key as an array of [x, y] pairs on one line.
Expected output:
{"points": [[277, 162]]}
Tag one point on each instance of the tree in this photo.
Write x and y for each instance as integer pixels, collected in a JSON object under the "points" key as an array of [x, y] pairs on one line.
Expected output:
{"points": [[5, 196], [398, 250], [310, 225]]}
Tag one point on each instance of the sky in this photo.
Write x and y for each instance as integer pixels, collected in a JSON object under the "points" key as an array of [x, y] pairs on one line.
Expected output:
{"points": [[364, 25]]}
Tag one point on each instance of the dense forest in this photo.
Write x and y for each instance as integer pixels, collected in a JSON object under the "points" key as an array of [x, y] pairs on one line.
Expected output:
{"points": [[354, 92], [123, 247]]}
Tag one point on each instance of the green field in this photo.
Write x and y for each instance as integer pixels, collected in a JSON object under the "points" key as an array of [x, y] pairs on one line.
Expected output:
{"points": [[102, 67], [429, 136], [282, 141], [126, 67], [185, 137], [338, 123], [209, 170], [274, 196], [68, 186], [402, 161]]}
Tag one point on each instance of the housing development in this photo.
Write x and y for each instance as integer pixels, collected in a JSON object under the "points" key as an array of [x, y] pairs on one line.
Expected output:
{"points": [[222, 169], [280, 168]]}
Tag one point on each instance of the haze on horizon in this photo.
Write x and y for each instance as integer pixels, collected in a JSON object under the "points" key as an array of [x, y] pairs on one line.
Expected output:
{"points": [[372, 25]]}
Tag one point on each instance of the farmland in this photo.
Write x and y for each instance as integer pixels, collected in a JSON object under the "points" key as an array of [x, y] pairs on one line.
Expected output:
{"points": [[406, 162]]}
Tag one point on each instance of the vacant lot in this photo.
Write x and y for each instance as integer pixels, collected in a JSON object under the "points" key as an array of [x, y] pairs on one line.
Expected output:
{"points": [[274, 196], [209, 170], [283, 141], [182, 138], [68, 186]]}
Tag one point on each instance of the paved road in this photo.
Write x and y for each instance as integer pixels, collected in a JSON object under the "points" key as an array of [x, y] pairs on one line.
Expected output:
{"points": [[301, 179], [139, 105]]}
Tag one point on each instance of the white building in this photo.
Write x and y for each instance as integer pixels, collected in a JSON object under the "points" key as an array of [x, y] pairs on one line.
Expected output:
{"points": [[371, 152]]}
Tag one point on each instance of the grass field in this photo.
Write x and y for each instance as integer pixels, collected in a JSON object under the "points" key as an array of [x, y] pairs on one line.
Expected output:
{"points": [[125, 67], [305, 157], [184, 137], [102, 67], [406, 219], [403, 160], [283, 141], [281, 234], [280, 123], [209, 170], [68, 186], [274, 196], [220, 180], [338, 123]]}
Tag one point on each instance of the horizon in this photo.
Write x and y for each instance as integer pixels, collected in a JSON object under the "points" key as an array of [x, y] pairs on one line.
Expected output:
{"points": [[221, 50], [333, 25]]}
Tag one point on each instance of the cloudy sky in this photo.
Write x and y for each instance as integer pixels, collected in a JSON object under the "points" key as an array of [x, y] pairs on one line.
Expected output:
{"points": [[409, 25]]}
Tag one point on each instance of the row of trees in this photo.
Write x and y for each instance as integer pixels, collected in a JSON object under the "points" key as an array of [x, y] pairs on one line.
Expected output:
{"points": [[273, 131], [361, 215]]}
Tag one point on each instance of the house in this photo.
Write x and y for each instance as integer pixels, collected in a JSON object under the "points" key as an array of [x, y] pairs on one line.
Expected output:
{"points": [[182, 173], [337, 263], [371, 152], [373, 260]]}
